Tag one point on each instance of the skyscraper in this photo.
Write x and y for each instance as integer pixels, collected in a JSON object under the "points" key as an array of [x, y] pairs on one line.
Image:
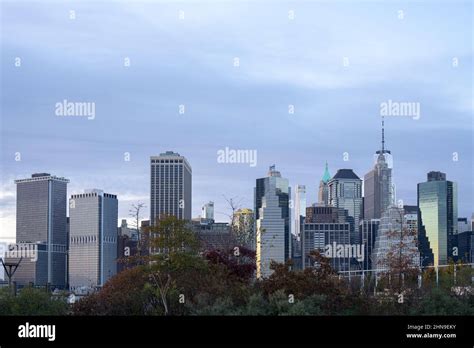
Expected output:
{"points": [[323, 194], [272, 221], [345, 191], [170, 187], [394, 237], [438, 217], [378, 187], [300, 209], [93, 219], [207, 211], [41, 221], [323, 226]]}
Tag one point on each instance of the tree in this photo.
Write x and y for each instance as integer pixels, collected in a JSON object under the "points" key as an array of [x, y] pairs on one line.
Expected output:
{"points": [[135, 213], [173, 246], [123, 294], [400, 260], [239, 261], [32, 301]]}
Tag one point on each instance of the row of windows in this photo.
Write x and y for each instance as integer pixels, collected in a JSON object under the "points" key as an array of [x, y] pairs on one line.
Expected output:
{"points": [[326, 227], [167, 161], [91, 239]]}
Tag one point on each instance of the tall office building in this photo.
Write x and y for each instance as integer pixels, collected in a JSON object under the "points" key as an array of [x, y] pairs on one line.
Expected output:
{"points": [[394, 237], [345, 191], [438, 217], [378, 186], [93, 219], [323, 194], [207, 211], [272, 221], [300, 209], [41, 223], [323, 226], [170, 187]]}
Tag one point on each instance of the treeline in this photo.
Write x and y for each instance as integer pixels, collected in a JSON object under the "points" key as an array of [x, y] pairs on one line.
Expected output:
{"points": [[181, 279]]}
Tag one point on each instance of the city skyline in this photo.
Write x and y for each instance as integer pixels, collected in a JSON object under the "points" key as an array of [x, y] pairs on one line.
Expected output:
{"points": [[141, 118]]}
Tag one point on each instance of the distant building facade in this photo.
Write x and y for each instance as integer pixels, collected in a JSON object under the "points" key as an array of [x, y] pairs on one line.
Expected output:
{"points": [[324, 227], [170, 186], [272, 221], [393, 237], [300, 209], [207, 211], [438, 217], [345, 191], [41, 223], [93, 238], [368, 230], [243, 226]]}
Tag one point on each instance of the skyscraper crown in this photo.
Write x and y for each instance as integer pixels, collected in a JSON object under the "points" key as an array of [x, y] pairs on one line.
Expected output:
{"points": [[326, 176]]}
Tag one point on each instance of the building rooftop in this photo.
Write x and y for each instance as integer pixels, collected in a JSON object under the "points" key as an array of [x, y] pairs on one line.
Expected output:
{"points": [[345, 174]]}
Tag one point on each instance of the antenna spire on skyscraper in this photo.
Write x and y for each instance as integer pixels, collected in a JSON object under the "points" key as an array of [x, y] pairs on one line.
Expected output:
{"points": [[382, 150], [383, 135]]}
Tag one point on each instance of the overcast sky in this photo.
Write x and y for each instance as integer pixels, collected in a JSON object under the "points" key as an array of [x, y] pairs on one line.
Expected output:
{"points": [[400, 51]]}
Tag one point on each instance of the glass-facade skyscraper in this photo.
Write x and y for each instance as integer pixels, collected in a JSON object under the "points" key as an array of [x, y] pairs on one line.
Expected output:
{"points": [[437, 218], [272, 221], [170, 186], [393, 237]]}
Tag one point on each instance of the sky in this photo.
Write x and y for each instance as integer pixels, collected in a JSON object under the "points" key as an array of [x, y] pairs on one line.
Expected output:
{"points": [[333, 62]]}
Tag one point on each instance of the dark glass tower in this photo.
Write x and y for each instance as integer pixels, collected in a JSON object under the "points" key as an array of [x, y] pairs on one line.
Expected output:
{"points": [[437, 218]]}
